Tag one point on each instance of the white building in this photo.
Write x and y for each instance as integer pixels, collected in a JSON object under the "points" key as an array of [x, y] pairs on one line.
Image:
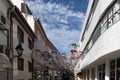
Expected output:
{"points": [[99, 39]]}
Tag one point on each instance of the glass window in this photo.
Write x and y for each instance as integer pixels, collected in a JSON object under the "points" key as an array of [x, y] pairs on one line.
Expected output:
{"points": [[30, 66], [104, 24], [110, 17], [96, 34], [38, 36], [112, 75], [101, 72], [86, 49], [93, 74], [118, 62], [115, 69], [20, 35], [30, 44], [84, 75], [117, 11], [20, 64], [94, 5], [112, 64], [118, 74], [88, 74], [83, 36], [23, 7], [90, 45], [112, 70]]}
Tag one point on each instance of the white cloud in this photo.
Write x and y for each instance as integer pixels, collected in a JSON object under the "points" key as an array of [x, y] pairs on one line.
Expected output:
{"points": [[53, 13]]}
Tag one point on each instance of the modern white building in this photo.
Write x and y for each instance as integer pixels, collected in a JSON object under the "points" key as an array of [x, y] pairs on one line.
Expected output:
{"points": [[100, 41]]}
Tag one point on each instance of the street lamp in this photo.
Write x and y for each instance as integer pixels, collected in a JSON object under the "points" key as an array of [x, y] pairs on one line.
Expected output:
{"points": [[19, 50]]}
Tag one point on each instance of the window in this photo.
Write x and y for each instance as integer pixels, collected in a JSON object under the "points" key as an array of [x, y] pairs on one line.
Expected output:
{"points": [[93, 74], [23, 7], [20, 35], [101, 72], [118, 69], [91, 15], [112, 70], [115, 69], [104, 23], [118, 62], [38, 36], [20, 64], [111, 16], [84, 74], [30, 66], [86, 49], [88, 74], [83, 36], [94, 5], [96, 34], [30, 44]]}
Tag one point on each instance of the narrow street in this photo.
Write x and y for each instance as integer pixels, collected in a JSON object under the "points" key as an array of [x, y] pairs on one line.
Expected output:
{"points": [[38, 39]]}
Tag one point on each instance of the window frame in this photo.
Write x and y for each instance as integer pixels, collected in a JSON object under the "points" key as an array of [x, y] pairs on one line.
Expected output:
{"points": [[20, 64], [20, 34], [30, 66], [30, 44]]}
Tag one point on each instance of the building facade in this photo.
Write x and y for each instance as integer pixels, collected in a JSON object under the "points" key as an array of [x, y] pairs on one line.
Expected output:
{"points": [[5, 63], [25, 51], [21, 33], [15, 33], [44, 60], [99, 40], [46, 64]]}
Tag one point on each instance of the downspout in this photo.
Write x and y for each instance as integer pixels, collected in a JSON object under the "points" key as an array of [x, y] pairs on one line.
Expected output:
{"points": [[8, 43], [11, 40], [11, 45]]}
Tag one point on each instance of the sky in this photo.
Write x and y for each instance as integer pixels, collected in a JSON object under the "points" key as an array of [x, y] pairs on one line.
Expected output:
{"points": [[61, 19]]}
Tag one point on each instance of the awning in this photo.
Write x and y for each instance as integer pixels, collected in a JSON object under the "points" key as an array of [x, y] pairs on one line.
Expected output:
{"points": [[4, 61]]}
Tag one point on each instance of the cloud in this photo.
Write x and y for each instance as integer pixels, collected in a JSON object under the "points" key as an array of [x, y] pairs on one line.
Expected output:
{"points": [[62, 25]]}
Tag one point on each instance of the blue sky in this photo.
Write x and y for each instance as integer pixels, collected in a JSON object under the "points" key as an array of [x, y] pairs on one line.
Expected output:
{"points": [[61, 19]]}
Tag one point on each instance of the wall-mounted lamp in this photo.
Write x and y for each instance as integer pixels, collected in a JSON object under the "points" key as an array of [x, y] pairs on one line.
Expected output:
{"points": [[19, 50]]}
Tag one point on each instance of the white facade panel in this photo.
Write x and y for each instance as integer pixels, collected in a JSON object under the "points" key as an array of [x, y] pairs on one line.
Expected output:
{"points": [[100, 8], [107, 43], [101, 40]]}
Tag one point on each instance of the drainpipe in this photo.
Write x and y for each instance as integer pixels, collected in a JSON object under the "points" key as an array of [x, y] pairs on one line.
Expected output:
{"points": [[11, 39], [11, 46]]}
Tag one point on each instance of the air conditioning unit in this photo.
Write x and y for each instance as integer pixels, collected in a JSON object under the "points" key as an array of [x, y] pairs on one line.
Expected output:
{"points": [[4, 50], [3, 21]]}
